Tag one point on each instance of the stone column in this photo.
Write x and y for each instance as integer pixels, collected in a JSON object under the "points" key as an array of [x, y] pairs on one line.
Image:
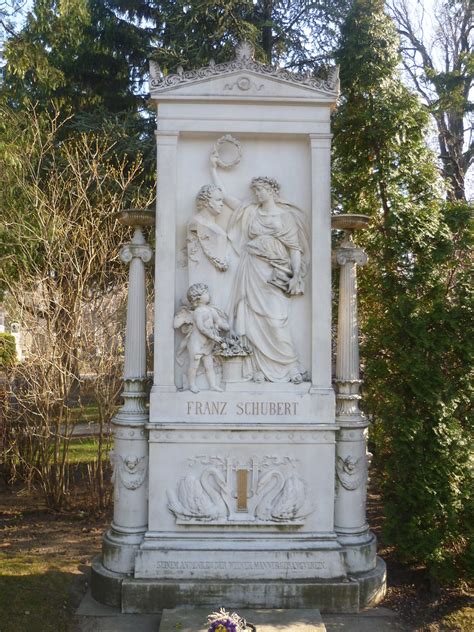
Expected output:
{"points": [[321, 266], [165, 281], [130, 456], [351, 447]]}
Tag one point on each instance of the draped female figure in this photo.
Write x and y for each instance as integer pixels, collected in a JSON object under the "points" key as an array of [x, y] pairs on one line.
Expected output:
{"points": [[270, 237]]}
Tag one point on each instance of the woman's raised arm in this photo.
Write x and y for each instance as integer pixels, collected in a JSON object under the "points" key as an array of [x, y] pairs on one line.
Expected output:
{"points": [[232, 202]]}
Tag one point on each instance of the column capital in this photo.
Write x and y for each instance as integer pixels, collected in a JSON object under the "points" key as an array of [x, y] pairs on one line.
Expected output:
{"points": [[166, 137], [320, 141], [139, 251], [351, 255]]}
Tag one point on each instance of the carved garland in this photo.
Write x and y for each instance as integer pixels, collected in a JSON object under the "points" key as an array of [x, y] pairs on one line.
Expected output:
{"points": [[217, 262], [351, 472], [228, 139], [131, 470]]}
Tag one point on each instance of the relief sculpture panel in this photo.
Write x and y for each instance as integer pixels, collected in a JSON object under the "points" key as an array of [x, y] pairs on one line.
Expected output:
{"points": [[226, 490], [254, 269]]}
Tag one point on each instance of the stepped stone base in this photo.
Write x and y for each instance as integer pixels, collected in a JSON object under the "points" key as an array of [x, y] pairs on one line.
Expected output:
{"points": [[152, 595]]}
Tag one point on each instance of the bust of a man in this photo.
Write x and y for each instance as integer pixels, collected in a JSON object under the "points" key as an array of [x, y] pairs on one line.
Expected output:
{"points": [[205, 237]]}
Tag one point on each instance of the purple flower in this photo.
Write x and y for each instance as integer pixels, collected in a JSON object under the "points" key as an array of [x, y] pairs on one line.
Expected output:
{"points": [[223, 625]]}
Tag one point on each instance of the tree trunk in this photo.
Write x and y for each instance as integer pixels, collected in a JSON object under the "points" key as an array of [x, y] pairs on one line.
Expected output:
{"points": [[267, 37]]}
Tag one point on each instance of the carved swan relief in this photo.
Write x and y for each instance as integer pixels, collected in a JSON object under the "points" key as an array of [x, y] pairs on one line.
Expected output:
{"points": [[198, 498], [280, 499], [274, 494]]}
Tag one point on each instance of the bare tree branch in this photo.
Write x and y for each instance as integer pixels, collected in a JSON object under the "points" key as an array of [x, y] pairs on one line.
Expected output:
{"points": [[438, 66]]}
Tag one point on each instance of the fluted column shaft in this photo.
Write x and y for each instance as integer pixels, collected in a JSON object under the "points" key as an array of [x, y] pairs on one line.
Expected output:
{"points": [[135, 341], [347, 359]]}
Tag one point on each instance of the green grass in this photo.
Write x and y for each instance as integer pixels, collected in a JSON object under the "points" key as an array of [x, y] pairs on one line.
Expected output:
{"points": [[83, 451], [35, 593], [38, 589], [84, 414]]}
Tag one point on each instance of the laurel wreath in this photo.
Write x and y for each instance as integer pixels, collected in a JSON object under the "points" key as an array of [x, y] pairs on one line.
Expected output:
{"points": [[222, 141]]}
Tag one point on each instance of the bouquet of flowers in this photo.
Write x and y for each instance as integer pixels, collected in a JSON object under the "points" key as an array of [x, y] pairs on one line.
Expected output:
{"points": [[232, 347], [222, 621]]}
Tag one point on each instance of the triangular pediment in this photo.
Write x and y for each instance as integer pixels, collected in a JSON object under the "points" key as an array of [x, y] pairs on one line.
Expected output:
{"points": [[243, 78]]}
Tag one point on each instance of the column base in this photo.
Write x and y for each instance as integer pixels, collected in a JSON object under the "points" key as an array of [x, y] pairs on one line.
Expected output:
{"points": [[119, 549], [106, 586], [132, 595], [360, 551]]}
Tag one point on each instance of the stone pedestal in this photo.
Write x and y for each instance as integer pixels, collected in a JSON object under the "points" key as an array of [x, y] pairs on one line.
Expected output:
{"points": [[351, 448], [242, 465], [130, 454]]}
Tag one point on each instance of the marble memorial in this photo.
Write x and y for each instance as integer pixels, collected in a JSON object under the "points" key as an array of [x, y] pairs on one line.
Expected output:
{"points": [[244, 484]]}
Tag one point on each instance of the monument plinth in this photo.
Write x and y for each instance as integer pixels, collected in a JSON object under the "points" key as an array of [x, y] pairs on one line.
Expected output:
{"points": [[244, 444]]}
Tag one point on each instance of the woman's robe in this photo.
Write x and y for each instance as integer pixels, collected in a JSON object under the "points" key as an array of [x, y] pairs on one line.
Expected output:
{"points": [[259, 307]]}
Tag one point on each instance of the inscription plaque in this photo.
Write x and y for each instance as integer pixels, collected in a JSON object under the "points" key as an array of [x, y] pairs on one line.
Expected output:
{"points": [[241, 565], [242, 482], [252, 409]]}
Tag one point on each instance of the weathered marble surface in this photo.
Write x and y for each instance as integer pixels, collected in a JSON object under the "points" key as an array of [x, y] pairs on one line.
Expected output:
{"points": [[252, 477], [243, 479]]}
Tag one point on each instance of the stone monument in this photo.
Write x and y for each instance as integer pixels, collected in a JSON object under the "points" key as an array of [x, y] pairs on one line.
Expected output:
{"points": [[244, 484]]}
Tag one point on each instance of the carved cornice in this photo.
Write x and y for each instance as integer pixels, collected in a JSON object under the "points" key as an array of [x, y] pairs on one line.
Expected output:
{"points": [[242, 436], [243, 61]]}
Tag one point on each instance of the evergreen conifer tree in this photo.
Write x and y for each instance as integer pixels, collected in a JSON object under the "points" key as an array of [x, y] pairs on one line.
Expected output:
{"points": [[79, 54], [414, 298], [89, 58], [84, 63], [189, 34]]}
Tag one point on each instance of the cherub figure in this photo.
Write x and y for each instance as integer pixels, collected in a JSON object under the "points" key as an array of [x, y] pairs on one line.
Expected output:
{"points": [[201, 322]]}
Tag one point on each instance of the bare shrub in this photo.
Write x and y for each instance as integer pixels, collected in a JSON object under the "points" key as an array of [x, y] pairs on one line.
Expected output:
{"points": [[59, 198]]}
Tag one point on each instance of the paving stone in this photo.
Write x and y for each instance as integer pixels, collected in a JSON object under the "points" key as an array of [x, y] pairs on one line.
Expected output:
{"points": [[92, 616], [375, 620], [120, 623], [188, 619]]}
